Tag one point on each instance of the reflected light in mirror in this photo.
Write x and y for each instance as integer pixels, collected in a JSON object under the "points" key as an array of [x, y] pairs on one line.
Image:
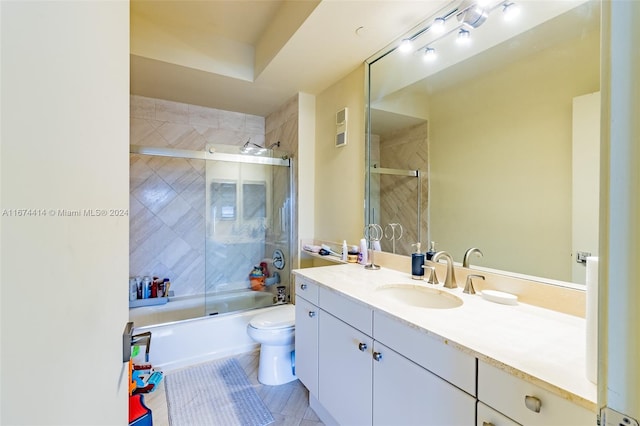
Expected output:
{"points": [[511, 11]]}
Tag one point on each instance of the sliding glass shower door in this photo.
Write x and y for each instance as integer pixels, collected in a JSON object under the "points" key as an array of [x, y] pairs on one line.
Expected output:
{"points": [[247, 230]]}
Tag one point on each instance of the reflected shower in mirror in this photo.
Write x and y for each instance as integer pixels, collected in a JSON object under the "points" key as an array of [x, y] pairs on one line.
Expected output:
{"points": [[504, 131]]}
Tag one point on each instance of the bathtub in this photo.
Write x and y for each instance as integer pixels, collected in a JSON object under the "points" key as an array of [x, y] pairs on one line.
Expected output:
{"points": [[187, 307], [182, 343]]}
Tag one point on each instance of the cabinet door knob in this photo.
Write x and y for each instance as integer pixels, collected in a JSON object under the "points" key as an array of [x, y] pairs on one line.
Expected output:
{"points": [[303, 286], [362, 346], [312, 314], [377, 356], [487, 424], [532, 403]]}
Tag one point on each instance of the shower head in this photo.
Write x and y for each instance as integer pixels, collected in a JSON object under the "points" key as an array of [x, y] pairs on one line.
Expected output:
{"points": [[250, 147], [255, 149]]}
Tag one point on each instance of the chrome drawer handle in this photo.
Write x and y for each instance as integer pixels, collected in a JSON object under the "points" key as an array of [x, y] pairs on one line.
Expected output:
{"points": [[532, 403], [377, 356], [312, 314], [362, 346], [487, 424], [303, 286]]}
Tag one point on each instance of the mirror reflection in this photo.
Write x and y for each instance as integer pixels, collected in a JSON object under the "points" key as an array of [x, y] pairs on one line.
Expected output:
{"points": [[494, 143]]}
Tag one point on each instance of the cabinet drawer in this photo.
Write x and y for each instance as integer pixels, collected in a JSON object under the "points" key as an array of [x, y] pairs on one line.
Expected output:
{"points": [[307, 289], [487, 416], [353, 313], [441, 359], [507, 394]]}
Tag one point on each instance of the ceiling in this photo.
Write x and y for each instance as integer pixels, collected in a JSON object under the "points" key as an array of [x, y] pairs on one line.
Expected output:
{"points": [[252, 56]]}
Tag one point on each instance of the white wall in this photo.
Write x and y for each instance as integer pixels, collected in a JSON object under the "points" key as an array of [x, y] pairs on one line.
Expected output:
{"points": [[64, 81], [339, 173]]}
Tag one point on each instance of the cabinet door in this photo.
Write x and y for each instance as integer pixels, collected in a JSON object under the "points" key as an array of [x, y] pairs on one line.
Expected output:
{"points": [[345, 371], [406, 394], [307, 344]]}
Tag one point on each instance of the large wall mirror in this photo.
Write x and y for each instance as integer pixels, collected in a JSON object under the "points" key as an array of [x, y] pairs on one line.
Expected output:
{"points": [[487, 135]]}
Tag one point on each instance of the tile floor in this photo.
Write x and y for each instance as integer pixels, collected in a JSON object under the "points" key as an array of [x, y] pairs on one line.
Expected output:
{"points": [[289, 403]]}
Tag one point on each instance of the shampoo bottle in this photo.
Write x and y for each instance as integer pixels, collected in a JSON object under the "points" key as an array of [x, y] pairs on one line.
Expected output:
{"points": [[432, 250], [417, 261], [345, 250]]}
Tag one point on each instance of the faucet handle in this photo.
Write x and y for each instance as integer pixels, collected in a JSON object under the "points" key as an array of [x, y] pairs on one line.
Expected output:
{"points": [[432, 277], [468, 287]]}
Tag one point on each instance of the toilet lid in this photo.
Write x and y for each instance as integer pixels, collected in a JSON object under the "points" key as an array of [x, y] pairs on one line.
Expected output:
{"points": [[281, 317]]}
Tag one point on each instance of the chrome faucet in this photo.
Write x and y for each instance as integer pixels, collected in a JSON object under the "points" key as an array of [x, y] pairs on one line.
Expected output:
{"points": [[450, 278], [468, 287], [467, 255]]}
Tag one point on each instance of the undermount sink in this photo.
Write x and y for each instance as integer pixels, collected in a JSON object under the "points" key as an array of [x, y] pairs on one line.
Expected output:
{"points": [[419, 296]]}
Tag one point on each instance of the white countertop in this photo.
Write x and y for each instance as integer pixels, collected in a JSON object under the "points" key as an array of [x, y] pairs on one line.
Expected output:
{"points": [[542, 346]]}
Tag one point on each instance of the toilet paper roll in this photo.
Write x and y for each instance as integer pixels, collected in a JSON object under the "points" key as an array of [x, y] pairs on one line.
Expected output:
{"points": [[592, 319]]}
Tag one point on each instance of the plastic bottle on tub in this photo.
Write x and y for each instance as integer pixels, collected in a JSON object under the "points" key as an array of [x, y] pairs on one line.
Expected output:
{"points": [[256, 278], [133, 288]]}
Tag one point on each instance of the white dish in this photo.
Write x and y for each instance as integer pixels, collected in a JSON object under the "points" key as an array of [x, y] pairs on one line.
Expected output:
{"points": [[500, 297]]}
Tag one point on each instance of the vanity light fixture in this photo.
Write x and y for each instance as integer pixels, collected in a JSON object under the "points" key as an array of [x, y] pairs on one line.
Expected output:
{"points": [[470, 14]]}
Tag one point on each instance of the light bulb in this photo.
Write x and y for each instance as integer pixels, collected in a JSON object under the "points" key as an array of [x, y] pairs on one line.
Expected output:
{"points": [[464, 36], [430, 54], [438, 25], [510, 11], [405, 45]]}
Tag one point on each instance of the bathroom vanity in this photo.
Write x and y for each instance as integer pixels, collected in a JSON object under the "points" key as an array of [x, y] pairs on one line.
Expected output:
{"points": [[376, 347]]}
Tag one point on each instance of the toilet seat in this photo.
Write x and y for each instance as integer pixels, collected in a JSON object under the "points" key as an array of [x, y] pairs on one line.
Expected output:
{"points": [[281, 318]]}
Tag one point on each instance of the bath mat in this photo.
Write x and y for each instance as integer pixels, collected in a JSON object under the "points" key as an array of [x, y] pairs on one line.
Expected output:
{"points": [[215, 393]]}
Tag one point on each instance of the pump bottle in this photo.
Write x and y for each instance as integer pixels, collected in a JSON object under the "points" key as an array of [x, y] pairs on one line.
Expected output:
{"points": [[417, 261]]}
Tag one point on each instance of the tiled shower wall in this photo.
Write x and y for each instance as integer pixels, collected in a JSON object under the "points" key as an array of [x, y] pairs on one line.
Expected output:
{"points": [[167, 198], [406, 149]]}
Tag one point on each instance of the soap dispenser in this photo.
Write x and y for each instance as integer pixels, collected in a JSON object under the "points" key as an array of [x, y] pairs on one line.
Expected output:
{"points": [[417, 261], [432, 250]]}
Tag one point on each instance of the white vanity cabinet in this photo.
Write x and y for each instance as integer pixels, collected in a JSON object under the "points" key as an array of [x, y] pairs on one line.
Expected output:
{"points": [[527, 403], [367, 363], [360, 381]]}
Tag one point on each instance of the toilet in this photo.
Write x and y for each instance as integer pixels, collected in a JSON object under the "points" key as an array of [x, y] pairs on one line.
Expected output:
{"points": [[275, 331]]}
